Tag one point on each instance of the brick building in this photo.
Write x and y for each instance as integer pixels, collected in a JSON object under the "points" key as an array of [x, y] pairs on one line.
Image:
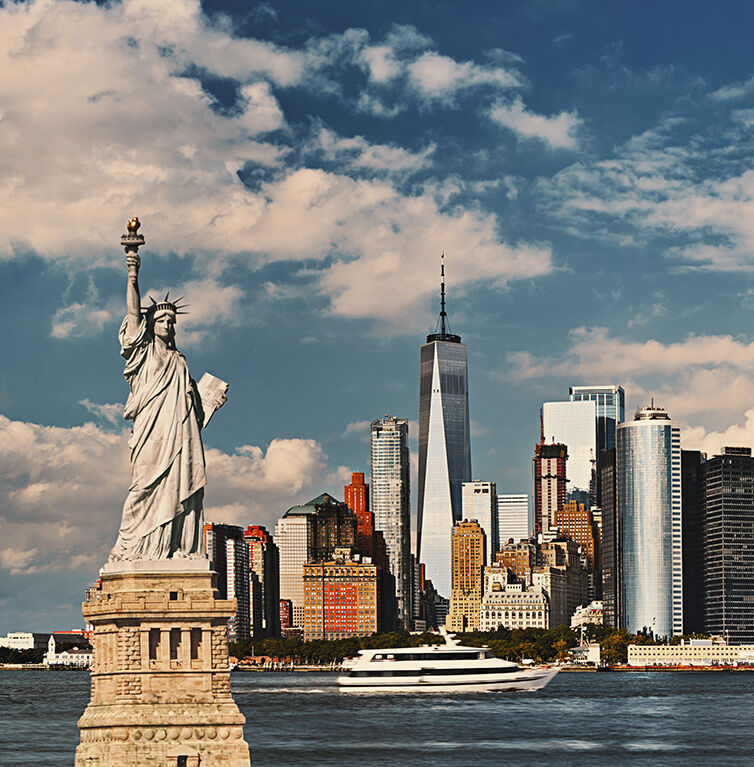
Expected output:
{"points": [[340, 597]]}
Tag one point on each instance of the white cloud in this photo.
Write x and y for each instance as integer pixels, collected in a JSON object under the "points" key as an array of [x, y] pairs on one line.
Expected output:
{"points": [[394, 242], [18, 562], [357, 427], [74, 480], [109, 413], [132, 133], [702, 380], [696, 191], [135, 135], [559, 131], [437, 77], [358, 153], [79, 320], [209, 304]]}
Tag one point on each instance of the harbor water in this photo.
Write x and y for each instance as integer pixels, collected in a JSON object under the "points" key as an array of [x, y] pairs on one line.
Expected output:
{"points": [[295, 719]]}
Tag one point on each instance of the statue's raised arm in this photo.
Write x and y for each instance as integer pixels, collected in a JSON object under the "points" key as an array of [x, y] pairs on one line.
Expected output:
{"points": [[131, 241], [163, 514]]}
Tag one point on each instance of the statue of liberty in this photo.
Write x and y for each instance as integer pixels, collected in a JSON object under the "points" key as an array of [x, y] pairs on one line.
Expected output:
{"points": [[163, 513]]}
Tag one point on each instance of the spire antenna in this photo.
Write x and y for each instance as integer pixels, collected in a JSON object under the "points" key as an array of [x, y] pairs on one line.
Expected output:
{"points": [[442, 328], [443, 313]]}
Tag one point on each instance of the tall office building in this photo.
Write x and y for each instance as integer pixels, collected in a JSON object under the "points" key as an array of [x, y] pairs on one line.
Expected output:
{"points": [[692, 481], [310, 533], [357, 499], [228, 555], [479, 502], [574, 424], [549, 484], [611, 410], [650, 518], [468, 555], [729, 545], [513, 518], [444, 446], [264, 565], [610, 549], [294, 535], [391, 504], [575, 522]]}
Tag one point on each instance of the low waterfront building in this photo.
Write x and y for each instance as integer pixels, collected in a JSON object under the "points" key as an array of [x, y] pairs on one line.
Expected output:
{"points": [[24, 640], [509, 603], [587, 614], [340, 597], [68, 650], [695, 652], [588, 654]]}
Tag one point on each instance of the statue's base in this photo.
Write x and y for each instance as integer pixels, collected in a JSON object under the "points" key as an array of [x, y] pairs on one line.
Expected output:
{"points": [[160, 677]]}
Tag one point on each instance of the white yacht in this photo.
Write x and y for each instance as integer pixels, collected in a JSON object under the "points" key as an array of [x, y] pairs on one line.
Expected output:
{"points": [[444, 668]]}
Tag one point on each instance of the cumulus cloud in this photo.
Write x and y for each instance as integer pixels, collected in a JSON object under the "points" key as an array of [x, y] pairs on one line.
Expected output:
{"points": [[395, 240], [437, 77], [357, 153], [157, 144], [107, 413], [65, 487], [558, 132], [79, 320], [209, 305], [701, 380]]}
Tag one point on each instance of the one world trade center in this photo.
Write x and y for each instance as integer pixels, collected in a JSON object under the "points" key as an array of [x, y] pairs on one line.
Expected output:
{"points": [[444, 447]]}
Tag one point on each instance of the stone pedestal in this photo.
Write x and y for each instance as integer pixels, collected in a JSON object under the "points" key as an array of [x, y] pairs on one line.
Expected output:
{"points": [[160, 677]]}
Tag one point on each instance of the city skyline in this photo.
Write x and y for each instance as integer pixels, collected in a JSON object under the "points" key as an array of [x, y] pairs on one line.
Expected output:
{"points": [[301, 170]]}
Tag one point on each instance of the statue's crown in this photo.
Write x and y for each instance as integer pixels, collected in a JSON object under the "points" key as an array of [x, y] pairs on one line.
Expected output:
{"points": [[165, 305]]}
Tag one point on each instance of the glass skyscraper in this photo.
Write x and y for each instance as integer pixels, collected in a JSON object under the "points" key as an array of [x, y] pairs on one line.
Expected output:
{"points": [[648, 458], [728, 545], [611, 410], [391, 504], [574, 424], [444, 448]]}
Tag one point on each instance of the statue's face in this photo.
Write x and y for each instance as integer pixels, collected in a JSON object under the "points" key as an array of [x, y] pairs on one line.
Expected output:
{"points": [[164, 326]]}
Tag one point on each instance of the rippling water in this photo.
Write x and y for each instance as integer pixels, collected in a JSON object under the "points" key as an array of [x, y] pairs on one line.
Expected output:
{"points": [[294, 719]]}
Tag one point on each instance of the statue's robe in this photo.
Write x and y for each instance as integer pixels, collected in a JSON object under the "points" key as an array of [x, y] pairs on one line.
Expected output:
{"points": [[162, 515]]}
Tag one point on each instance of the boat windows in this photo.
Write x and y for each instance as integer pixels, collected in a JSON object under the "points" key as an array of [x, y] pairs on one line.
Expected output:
{"points": [[434, 656], [436, 671]]}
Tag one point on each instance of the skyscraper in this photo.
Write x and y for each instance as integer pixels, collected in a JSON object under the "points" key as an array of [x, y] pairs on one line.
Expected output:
{"points": [[729, 545], [468, 550], [611, 410], [391, 505], [649, 510], [444, 446], [574, 424], [479, 502], [228, 555], [310, 533], [549, 484], [693, 498], [357, 499], [264, 564], [610, 548], [513, 518], [294, 535]]}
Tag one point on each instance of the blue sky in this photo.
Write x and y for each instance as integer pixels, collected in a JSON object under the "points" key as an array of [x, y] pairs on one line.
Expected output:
{"points": [[298, 168]]}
